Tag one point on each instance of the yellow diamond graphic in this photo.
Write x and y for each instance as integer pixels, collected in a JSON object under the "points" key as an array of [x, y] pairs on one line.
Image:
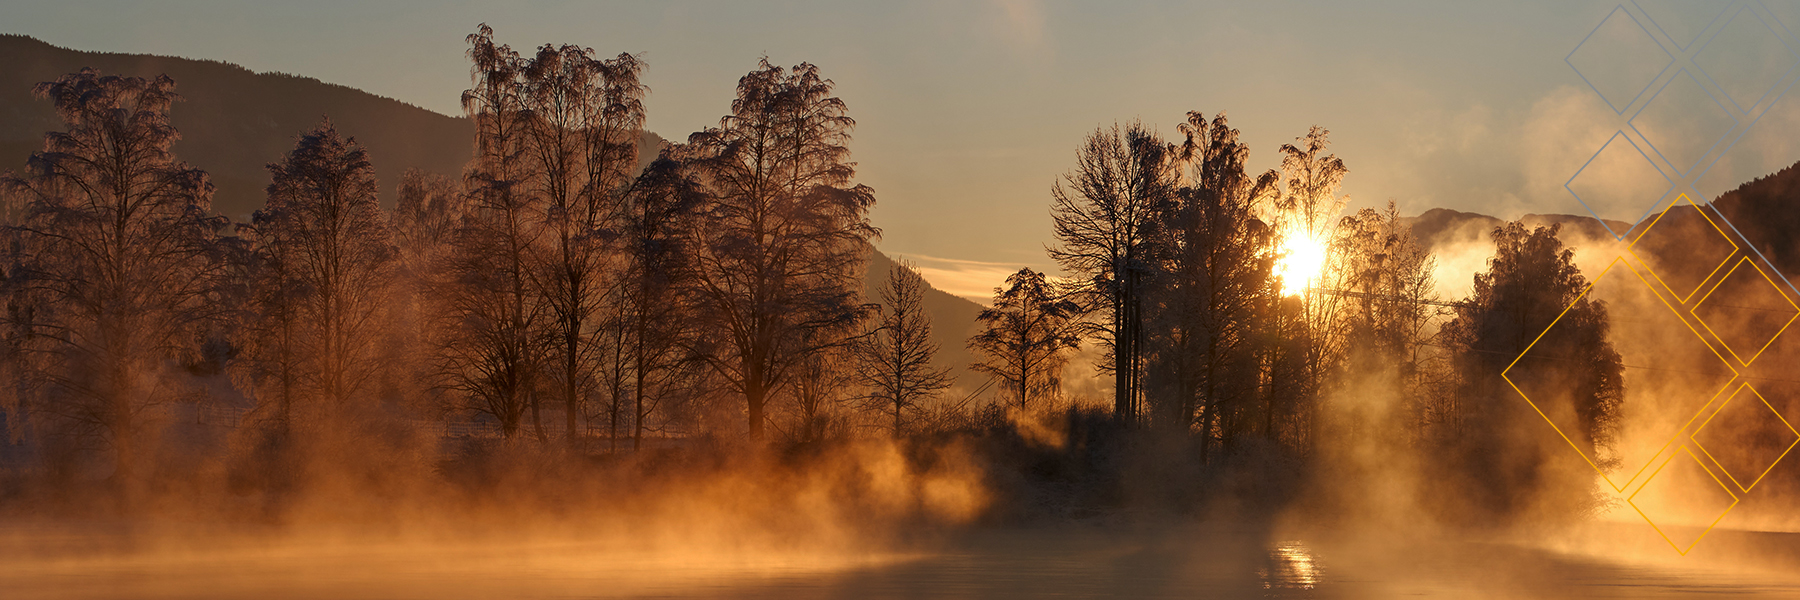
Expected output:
{"points": [[1670, 368], [1682, 500], [1746, 311], [1743, 435], [1687, 246]]}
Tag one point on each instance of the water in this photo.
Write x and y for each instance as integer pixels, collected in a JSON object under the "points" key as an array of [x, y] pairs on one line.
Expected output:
{"points": [[1074, 561]]}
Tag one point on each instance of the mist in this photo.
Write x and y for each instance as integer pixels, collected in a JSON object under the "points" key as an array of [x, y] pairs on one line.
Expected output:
{"points": [[590, 361]]}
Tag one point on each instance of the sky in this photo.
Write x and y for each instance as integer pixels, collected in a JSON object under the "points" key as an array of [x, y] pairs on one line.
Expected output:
{"points": [[968, 111]]}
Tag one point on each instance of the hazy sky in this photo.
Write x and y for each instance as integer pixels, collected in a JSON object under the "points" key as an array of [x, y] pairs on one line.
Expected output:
{"points": [[969, 110]]}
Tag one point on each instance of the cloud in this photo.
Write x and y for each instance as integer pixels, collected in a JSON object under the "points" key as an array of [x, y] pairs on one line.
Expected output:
{"points": [[1021, 24], [970, 279], [1561, 132]]}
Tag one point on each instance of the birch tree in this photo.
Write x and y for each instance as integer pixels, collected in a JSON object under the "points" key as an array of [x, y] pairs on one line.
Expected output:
{"points": [[785, 229], [895, 360], [1025, 336], [328, 262], [116, 254]]}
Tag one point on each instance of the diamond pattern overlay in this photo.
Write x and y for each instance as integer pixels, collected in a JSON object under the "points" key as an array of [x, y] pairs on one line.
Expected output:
{"points": [[1746, 437], [1619, 59], [1746, 311], [1680, 495], [1620, 179], [1684, 369], [1689, 250], [1746, 58], [1681, 20], [1683, 122], [1688, 80]]}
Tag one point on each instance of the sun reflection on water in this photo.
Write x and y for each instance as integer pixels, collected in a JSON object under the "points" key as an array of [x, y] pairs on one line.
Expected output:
{"points": [[1292, 566]]}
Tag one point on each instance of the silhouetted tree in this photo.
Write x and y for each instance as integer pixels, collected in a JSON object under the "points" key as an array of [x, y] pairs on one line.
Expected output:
{"points": [[427, 210], [328, 262], [1393, 304], [1104, 218], [1530, 281], [1312, 329], [820, 384], [581, 119], [655, 294], [492, 349], [785, 229], [116, 253], [1215, 276], [1025, 336], [895, 359]]}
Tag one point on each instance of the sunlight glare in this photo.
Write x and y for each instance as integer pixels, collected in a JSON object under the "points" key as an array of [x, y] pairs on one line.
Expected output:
{"points": [[1301, 262]]}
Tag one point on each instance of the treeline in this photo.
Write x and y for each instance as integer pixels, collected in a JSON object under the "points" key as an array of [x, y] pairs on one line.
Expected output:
{"points": [[1241, 311], [557, 290], [555, 283]]}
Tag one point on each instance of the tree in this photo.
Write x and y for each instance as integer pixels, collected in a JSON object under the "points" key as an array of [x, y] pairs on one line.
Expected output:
{"points": [[427, 210], [1214, 277], [580, 118], [492, 349], [1025, 335], [1312, 328], [785, 229], [895, 359], [824, 380], [115, 257], [328, 259], [1103, 221], [1530, 281], [1393, 303], [657, 234]]}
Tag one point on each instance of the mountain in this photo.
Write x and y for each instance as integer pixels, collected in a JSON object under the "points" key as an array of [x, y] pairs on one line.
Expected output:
{"points": [[1680, 242], [952, 322], [1442, 227], [234, 121]]}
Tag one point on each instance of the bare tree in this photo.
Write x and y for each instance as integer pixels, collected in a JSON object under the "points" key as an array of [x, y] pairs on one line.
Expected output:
{"points": [[1104, 218], [427, 210], [1315, 326], [581, 119], [657, 230], [895, 359], [785, 229], [1025, 335], [1394, 305], [491, 349], [1215, 261], [116, 254], [823, 382], [329, 261]]}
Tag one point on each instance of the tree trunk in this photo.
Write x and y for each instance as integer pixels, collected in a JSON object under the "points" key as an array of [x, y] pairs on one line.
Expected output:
{"points": [[569, 387], [637, 397], [537, 417], [753, 396]]}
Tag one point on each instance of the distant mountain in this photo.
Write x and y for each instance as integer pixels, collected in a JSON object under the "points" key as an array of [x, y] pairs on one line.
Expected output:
{"points": [[1442, 227], [1682, 242], [234, 121], [952, 322], [1767, 211]]}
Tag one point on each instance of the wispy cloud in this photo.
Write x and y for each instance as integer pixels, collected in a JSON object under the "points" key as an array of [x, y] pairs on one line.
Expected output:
{"points": [[970, 279], [1022, 25]]}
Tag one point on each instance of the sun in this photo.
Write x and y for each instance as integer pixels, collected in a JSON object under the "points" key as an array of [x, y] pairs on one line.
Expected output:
{"points": [[1301, 262]]}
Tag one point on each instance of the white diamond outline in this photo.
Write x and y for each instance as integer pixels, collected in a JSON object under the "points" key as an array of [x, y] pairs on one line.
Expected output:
{"points": [[1617, 109]]}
